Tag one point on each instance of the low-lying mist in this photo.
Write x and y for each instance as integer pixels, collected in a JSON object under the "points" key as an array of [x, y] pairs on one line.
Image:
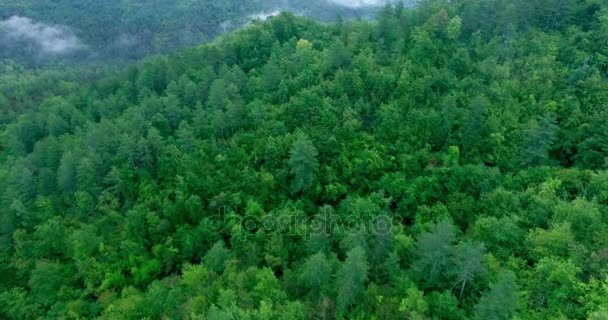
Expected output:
{"points": [[49, 39], [36, 33]]}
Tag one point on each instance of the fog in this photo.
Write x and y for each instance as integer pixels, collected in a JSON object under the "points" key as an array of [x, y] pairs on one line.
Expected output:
{"points": [[50, 40], [264, 15], [359, 3], [132, 32]]}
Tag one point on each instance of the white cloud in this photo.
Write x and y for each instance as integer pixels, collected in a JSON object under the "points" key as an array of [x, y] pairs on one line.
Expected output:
{"points": [[359, 3], [53, 40], [264, 15]]}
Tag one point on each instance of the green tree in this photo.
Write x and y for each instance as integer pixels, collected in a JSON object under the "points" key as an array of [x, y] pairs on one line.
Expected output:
{"points": [[3, 101], [601, 314], [46, 280], [303, 163], [87, 174], [20, 182], [316, 271], [454, 27], [501, 301], [553, 284], [414, 304], [66, 173], [433, 250], [215, 259], [468, 264], [473, 131], [271, 76], [557, 241], [351, 278], [539, 140], [339, 56]]}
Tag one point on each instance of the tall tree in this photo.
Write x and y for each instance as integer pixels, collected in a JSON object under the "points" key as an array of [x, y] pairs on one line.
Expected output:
{"points": [[316, 271], [468, 264], [538, 141], [501, 301], [66, 173], [474, 126], [351, 278], [215, 259], [433, 251], [303, 162]]}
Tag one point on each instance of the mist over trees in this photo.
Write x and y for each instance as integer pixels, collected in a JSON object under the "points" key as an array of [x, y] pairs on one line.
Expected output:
{"points": [[39, 33], [444, 161]]}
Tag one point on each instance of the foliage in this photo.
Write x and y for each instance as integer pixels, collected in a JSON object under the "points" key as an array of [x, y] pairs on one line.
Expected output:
{"points": [[447, 161]]}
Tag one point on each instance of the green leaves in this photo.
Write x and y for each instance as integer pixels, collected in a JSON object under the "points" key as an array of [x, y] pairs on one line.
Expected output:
{"points": [[316, 271], [215, 259], [412, 167], [46, 280], [303, 164], [468, 264], [454, 28], [433, 250], [539, 139], [351, 278], [501, 301]]}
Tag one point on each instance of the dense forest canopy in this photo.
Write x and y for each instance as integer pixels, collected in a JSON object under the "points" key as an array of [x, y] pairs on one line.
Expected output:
{"points": [[93, 30], [446, 161]]}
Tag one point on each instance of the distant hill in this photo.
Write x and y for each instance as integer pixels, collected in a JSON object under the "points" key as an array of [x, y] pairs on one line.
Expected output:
{"points": [[130, 29]]}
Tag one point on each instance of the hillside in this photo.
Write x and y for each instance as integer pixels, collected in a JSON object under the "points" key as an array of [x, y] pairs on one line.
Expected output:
{"points": [[39, 33], [448, 161]]}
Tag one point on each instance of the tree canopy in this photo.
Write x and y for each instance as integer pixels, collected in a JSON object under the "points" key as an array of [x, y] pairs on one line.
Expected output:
{"points": [[444, 161]]}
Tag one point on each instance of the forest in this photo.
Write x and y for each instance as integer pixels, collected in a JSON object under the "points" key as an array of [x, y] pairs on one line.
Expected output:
{"points": [[126, 30], [443, 161]]}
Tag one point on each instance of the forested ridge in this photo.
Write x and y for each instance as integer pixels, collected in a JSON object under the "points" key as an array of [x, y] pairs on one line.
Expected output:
{"points": [[124, 30], [447, 161]]}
